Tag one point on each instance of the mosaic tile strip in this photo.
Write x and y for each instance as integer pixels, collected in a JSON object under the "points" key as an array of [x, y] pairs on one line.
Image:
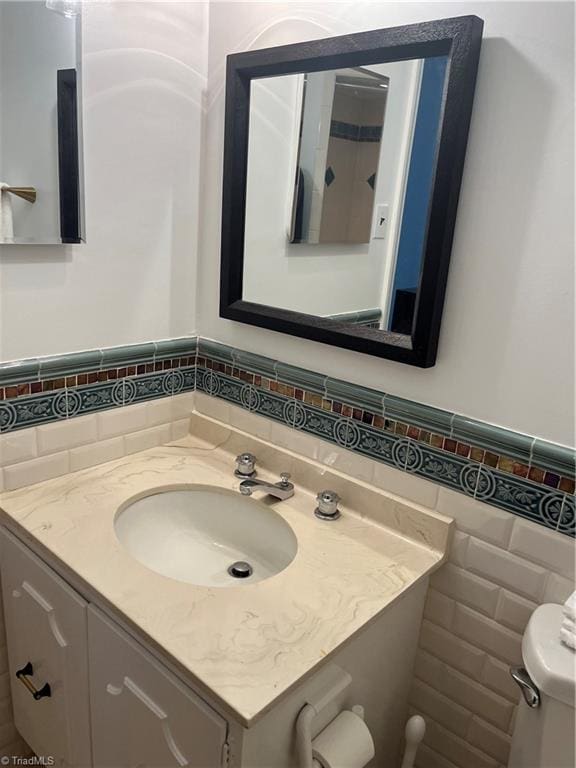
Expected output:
{"points": [[369, 318], [528, 477], [379, 426], [65, 386]]}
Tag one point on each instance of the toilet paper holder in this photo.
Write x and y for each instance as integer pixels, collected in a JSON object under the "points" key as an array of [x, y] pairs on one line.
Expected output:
{"points": [[414, 731], [314, 707]]}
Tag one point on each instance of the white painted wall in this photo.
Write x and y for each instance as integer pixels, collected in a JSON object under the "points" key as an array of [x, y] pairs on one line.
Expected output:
{"points": [[134, 280], [507, 343], [34, 44], [319, 279]]}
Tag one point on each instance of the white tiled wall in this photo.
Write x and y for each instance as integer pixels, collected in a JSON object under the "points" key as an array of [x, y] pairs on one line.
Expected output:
{"points": [[501, 567], [39, 453]]}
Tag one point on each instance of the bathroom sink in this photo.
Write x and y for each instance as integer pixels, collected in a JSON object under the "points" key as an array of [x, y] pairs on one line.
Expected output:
{"points": [[206, 536]]}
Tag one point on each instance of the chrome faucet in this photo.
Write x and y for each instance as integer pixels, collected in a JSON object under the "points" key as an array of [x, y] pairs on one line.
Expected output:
{"points": [[282, 490]]}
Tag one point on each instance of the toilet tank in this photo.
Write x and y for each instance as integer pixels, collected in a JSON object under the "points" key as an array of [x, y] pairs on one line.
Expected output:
{"points": [[544, 735]]}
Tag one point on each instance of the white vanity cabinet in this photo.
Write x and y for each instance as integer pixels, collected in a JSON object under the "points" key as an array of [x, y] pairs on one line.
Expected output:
{"points": [[46, 626], [109, 702], [141, 714], [116, 703]]}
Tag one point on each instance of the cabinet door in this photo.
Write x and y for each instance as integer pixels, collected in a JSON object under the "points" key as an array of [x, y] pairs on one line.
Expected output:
{"points": [[46, 627], [141, 714]]}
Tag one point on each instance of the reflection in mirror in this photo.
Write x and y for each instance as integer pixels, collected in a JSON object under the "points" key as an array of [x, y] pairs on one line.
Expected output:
{"points": [[40, 157], [339, 145], [336, 224]]}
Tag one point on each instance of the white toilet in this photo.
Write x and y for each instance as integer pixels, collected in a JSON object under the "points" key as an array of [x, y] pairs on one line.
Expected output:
{"points": [[544, 732]]}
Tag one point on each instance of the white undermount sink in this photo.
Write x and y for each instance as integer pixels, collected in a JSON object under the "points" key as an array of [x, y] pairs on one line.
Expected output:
{"points": [[206, 536]]}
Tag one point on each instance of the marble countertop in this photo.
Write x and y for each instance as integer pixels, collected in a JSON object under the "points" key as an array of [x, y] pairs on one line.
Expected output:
{"points": [[247, 645]]}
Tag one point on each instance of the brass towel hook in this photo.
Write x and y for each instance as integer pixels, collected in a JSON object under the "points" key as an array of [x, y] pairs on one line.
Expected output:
{"points": [[26, 193]]}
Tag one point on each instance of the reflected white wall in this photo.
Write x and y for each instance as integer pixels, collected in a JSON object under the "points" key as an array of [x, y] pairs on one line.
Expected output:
{"points": [[134, 280], [34, 44]]}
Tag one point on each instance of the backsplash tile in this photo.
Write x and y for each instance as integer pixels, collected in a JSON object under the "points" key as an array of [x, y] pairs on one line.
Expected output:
{"points": [[528, 477]]}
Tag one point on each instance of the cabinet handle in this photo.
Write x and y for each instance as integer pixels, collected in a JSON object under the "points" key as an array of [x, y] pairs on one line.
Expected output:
{"points": [[38, 693]]}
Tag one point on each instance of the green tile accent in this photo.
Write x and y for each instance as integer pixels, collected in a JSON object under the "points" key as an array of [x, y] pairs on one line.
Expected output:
{"points": [[58, 366], [432, 419], [487, 466], [554, 456], [361, 316], [172, 348], [354, 394], [300, 378], [248, 361], [216, 351], [133, 354], [19, 371], [497, 439]]}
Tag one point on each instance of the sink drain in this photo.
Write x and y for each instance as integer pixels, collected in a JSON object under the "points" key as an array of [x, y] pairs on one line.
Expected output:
{"points": [[240, 570]]}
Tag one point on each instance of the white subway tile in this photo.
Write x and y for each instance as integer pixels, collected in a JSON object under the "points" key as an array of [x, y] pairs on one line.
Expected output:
{"points": [[548, 548], [213, 407], [97, 453], [406, 485], [475, 517], [459, 548], [558, 589], [345, 461], [36, 470], [296, 441], [252, 423], [120, 421], [180, 429], [514, 611], [18, 446], [159, 411], [466, 588], [456, 749], [487, 634], [439, 608], [463, 690], [147, 438], [496, 675], [451, 649], [183, 405], [429, 702], [506, 569], [489, 739], [63, 435], [428, 758]]}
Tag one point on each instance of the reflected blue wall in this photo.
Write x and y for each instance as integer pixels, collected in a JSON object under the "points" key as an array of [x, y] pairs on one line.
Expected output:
{"points": [[420, 177]]}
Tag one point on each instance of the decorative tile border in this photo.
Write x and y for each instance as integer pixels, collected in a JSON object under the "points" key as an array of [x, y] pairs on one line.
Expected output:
{"points": [[522, 475], [370, 318], [43, 390]]}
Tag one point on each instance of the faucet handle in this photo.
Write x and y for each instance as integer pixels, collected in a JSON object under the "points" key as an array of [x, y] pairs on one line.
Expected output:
{"points": [[245, 465], [327, 508], [284, 478]]}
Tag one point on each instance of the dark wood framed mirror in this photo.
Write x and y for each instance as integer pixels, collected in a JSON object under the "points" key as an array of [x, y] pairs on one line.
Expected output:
{"points": [[343, 160]]}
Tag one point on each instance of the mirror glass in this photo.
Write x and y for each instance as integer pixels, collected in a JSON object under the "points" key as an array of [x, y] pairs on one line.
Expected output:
{"points": [[40, 147], [340, 172]]}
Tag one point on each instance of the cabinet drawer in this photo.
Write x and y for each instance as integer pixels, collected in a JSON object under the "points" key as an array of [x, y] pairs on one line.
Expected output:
{"points": [[46, 627], [142, 715]]}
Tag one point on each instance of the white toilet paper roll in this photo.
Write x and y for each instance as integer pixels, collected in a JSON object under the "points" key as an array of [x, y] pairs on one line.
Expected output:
{"points": [[345, 743]]}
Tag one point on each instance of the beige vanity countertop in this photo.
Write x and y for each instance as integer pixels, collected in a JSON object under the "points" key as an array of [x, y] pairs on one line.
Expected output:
{"points": [[247, 645]]}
